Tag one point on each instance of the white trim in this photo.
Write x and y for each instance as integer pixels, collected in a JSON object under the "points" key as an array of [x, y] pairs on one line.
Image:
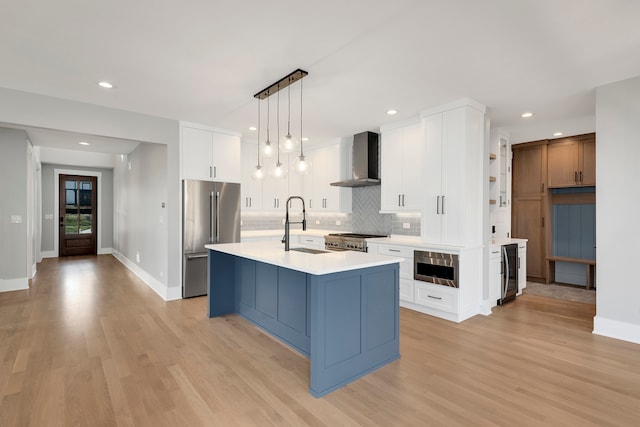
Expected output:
{"points": [[48, 254], [166, 293], [8, 285], [56, 204], [105, 251], [616, 329], [34, 270]]}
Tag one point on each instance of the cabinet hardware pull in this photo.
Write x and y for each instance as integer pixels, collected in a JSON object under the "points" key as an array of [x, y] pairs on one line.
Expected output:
{"points": [[438, 206], [495, 252], [543, 221], [432, 297], [580, 176], [442, 205], [210, 172], [399, 200], [542, 187], [394, 250], [249, 201], [403, 200], [575, 177], [215, 173]]}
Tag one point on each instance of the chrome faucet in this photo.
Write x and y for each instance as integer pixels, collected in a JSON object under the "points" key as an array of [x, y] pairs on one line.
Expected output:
{"points": [[285, 239]]}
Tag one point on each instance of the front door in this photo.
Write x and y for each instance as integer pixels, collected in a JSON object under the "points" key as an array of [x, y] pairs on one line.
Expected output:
{"points": [[78, 215]]}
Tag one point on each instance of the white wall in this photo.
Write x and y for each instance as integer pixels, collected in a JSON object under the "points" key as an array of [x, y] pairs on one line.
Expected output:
{"points": [[15, 252], [617, 210], [141, 240]]}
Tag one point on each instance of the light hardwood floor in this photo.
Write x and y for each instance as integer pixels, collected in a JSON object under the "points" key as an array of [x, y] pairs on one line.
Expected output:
{"points": [[91, 345]]}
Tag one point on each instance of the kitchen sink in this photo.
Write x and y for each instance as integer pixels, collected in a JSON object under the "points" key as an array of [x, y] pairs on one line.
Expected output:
{"points": [[309, 251]]}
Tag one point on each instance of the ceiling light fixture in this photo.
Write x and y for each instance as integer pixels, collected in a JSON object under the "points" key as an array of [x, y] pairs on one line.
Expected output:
{"points": [[558, 134], [302, 165], [84, 143], [289, 142], [268, 149], [105, 85], [526, 115], [392, 112]]}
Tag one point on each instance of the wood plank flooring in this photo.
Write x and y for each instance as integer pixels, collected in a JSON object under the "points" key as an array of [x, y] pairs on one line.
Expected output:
{"points": [[90, 345]]}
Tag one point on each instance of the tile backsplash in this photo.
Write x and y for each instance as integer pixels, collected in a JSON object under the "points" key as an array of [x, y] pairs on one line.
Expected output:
{"points": [[366, 218]]}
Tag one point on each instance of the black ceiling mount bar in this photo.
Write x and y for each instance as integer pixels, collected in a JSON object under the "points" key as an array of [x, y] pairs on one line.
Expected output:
{"points": [[281, 84]]}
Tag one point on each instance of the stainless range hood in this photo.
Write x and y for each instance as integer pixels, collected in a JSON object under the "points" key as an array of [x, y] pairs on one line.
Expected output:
{"points": [[365, 162]]}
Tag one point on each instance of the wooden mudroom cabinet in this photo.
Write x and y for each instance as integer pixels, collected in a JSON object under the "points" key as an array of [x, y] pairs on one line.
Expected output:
{"points": [[539, 167], [572, 161]]}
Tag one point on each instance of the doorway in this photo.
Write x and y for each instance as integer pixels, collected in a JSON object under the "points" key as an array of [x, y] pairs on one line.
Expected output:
{"points": [[78, 215]]}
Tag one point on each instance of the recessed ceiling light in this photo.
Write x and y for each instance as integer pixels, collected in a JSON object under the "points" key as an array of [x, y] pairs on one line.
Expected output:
{"points": [[526, 115], [84, 143], [105, 85], [557, 134], [252, 128], [392, 112]]}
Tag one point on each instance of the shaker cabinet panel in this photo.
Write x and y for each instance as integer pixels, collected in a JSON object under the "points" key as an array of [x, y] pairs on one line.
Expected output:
{"points": [[572, 161], [209, 156]]}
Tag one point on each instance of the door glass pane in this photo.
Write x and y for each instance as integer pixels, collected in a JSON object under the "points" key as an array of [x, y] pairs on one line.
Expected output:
{"points": [[71, 221]]}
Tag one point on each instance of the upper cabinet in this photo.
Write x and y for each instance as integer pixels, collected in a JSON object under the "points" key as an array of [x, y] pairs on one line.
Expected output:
{"points": [[453, 180], [572, 161], [251, 189], [401, 168], [209, 154], [329, 164]]}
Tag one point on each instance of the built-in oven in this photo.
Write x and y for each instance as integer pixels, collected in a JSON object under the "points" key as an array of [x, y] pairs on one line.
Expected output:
{"points": [[436, 267]]}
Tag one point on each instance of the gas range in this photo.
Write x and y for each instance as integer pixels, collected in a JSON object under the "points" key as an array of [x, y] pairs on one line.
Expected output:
{"points": [[348, 241]]}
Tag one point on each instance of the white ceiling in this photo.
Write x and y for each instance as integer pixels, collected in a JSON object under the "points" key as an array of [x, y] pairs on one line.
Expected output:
{"points": [[202, 61]]}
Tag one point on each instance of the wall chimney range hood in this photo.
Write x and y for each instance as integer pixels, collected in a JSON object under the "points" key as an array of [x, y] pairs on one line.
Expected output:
{"points": [[365, 162]]}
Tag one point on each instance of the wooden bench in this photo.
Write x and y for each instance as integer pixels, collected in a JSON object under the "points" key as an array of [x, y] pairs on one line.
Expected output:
{"points": [[589, 263]]}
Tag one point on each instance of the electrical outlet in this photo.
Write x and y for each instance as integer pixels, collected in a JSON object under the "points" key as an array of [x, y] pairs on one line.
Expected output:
{"points": [[16, 219], [406, 225], [138, 257], [48, 216], [338, 222]]}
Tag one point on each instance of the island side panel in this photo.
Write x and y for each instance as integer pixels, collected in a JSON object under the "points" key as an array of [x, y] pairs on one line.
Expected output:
{"points": [[355, 318], [221, 282]]}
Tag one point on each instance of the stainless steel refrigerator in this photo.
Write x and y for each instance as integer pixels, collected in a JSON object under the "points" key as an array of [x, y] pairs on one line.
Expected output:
{"points": [[210, 215]]}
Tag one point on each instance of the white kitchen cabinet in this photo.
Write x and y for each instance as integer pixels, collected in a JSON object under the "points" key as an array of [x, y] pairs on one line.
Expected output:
{"points": [[453, 175], [402, 151], [405, 253], [275, 191], [209, 155], [328, 165], [522, 266], [495, 274], [437, 297], [251, 189], [311, 241]]}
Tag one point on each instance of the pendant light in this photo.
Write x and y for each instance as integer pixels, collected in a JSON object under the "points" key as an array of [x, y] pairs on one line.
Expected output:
{"points": [[268, 149], [257, 173], [279, 171], [302, 164], [289, 144]]}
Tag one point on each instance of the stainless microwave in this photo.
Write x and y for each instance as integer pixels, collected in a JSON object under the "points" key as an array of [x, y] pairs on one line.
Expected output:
{"points": [[436, 267]]}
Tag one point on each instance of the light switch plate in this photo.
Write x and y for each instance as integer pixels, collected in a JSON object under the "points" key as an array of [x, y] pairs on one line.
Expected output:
{"points": [[48, 216], [16, 219]]}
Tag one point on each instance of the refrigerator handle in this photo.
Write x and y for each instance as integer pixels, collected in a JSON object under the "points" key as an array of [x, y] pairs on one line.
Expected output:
{"points": [[212, 210], [506, 271], [217, 211]]}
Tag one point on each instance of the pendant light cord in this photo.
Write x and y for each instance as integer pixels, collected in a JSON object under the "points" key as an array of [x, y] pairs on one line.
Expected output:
{"points": [[301, 153], [258, 138], [289, 111], [278, 122]]}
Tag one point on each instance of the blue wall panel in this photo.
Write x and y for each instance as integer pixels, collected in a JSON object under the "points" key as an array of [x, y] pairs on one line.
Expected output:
{"points": [[267, 289], [292, 299], [343, 318]]}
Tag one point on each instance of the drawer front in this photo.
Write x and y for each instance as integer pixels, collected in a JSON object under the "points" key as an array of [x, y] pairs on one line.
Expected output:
{"points": [[394, 250], [436, 297], [406, 290]]}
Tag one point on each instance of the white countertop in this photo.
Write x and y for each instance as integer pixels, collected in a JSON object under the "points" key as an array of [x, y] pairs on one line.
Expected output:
{"points": [[505, 241], [272, 252]]}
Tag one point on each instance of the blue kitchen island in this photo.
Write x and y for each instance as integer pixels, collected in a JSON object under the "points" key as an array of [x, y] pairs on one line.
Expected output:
{"points": [[340, 309]]}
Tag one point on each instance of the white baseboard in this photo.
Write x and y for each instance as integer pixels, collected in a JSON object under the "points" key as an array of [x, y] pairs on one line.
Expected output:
{"points": [[166, 293], [7, 285], [105, 251], [616, 329], [48, 254]]}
